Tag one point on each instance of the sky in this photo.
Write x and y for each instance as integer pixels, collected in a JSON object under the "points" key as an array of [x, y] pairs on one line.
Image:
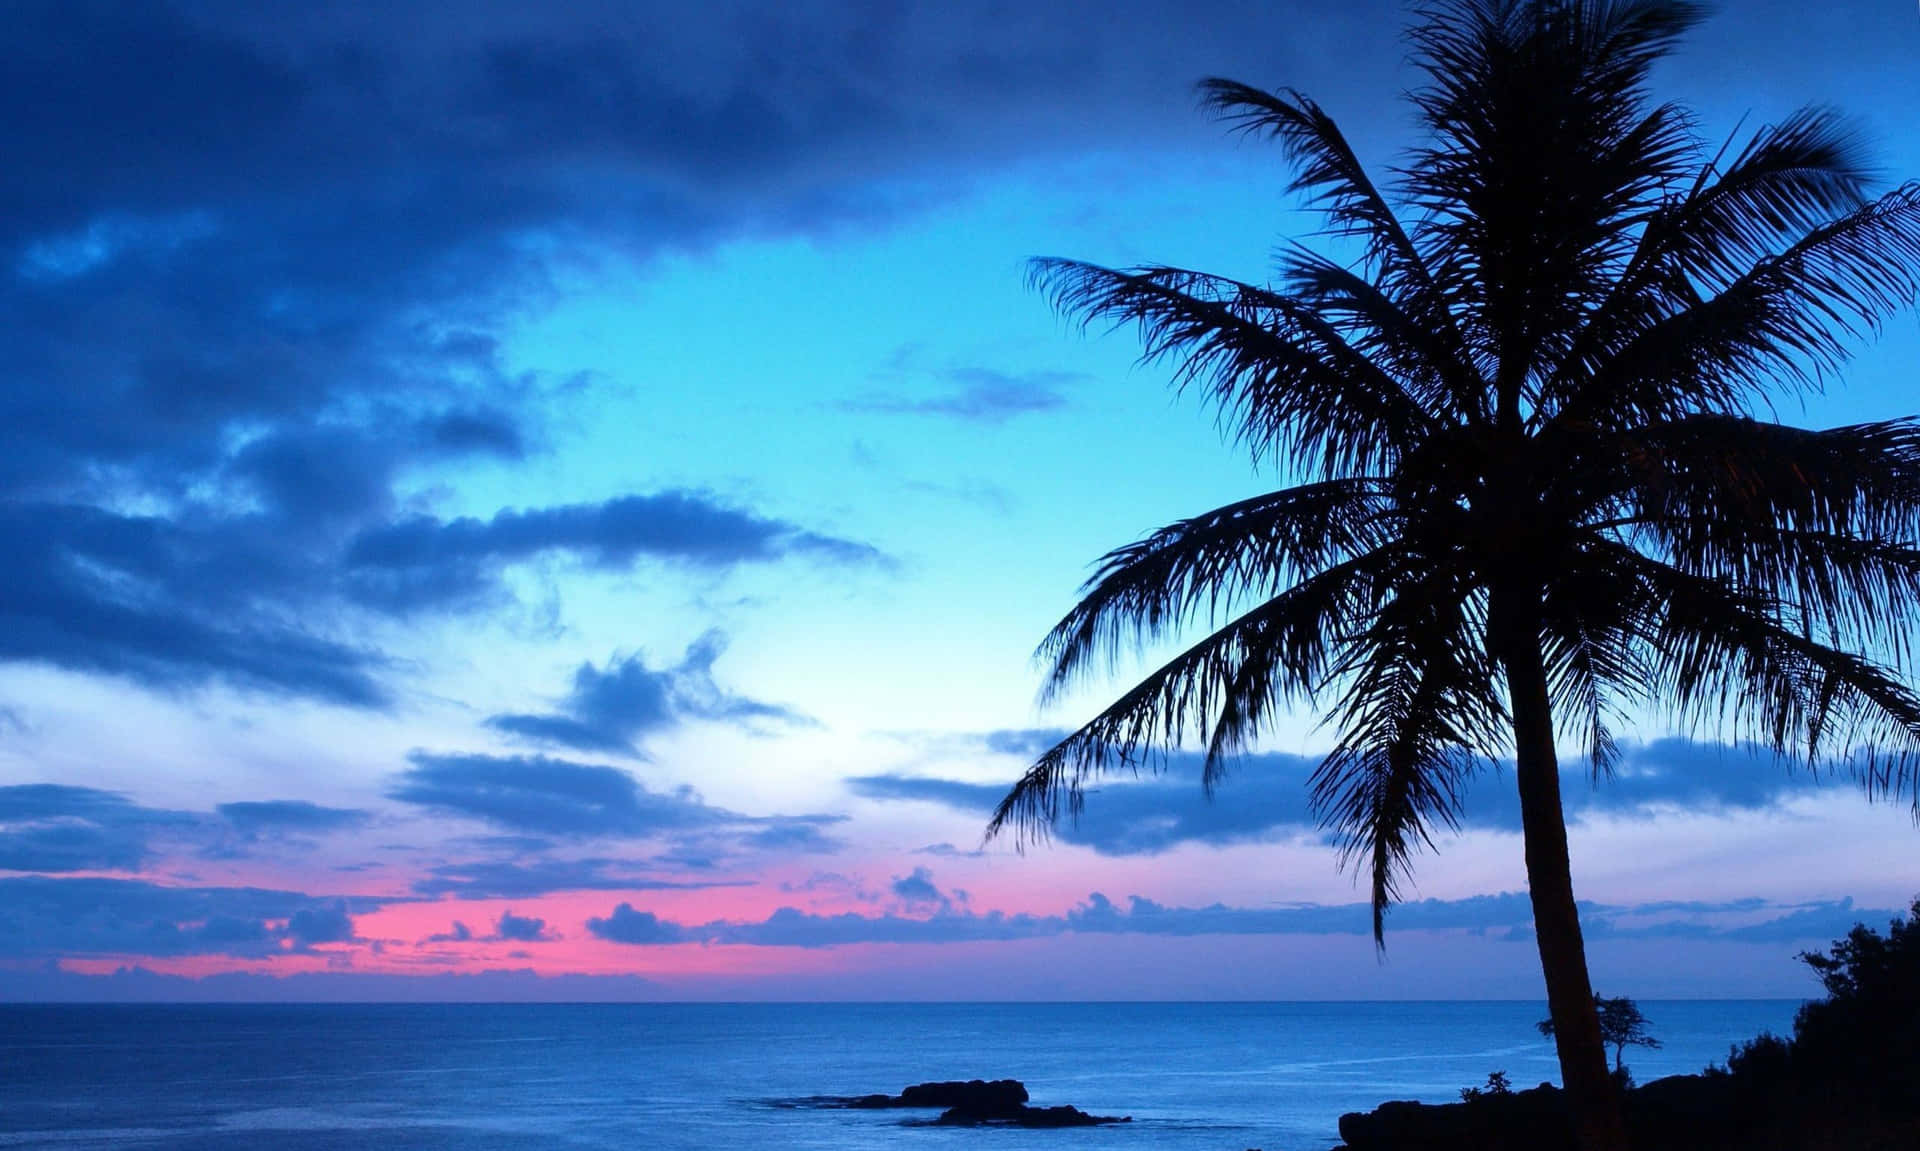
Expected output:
{"points": [[558, 502]]}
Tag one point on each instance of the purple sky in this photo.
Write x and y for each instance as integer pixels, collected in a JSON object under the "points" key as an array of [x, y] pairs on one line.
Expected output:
{"points": [[558, 502]]}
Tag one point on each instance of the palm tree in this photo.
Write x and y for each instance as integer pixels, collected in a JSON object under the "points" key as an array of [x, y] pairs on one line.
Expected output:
{"points": [[1533, 479]]}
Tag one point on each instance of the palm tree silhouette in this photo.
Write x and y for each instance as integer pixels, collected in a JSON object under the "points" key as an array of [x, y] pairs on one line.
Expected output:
{"points": [[1531, 488]]}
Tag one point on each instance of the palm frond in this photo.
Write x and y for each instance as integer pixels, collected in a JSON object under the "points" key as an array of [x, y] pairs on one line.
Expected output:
{"points": [[1198, 568], [1329, 174], [1788, 322], [1715, 646], [1789, 179], [1296, 633], [1587, 644], [1429, 359], [1282, 376], [1827, 521], [1419, 705]]}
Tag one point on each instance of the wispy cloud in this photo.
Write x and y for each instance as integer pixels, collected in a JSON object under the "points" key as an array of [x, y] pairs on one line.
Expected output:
{"points": [[1265, 796], [609, 709], [978, 395]]}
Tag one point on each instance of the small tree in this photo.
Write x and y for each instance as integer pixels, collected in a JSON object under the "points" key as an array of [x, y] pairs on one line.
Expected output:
{"points": [[1621, 1026]]}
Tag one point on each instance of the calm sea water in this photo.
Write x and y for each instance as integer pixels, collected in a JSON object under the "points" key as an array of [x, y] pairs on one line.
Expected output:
{"points": [[1219, 1077]]}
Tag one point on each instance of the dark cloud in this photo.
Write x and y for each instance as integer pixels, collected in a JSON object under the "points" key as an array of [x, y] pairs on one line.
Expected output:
{"points": [[254, 267], [625, 925], [1264, 797], [539, 796], [289, 815], [329, 924], [520, 928], [458, 933], [949, 851], [423, 562], [167, 603], [72, 917], [608, 710], [550, 796], [55, 827], [50, 827], [1025, 742]]}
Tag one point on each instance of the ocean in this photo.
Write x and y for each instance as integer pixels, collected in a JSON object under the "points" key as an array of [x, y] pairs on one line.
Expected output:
{"points": [[719, 1077]]}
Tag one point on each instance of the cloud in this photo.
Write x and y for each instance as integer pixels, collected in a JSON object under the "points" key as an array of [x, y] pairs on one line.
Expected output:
{"points": [[1264, 796], [793, 835], [44, 916], [625, 925], [520, 928], [1506, 916], [421, 562], [255, 271], [458, 933], [608, 710], [329, 924], [981, 395], [538, 796], [918, 888], [56, 828], [170, 605], [289, 815], [549, 796], [505, 879], [136, 984]]}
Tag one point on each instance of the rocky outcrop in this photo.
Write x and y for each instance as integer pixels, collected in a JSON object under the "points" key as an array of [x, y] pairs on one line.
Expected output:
{"points": [[1534, 1120], [977, 1095], [1678, 1113], [1024, 1116], [969, 1103]]}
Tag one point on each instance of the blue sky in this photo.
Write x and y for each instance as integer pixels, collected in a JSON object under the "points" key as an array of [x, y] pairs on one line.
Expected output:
{"points": [[575, 492]]}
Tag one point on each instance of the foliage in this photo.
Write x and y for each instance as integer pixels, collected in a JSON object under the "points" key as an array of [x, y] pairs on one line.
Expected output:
{"points": [[1497, 1084], [1867, 1030], [1621, 1026]]}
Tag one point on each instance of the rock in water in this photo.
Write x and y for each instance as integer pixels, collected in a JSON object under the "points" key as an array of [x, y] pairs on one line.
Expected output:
{"points": [[1000, 1095], [972, 1103], [1023, 1116]]}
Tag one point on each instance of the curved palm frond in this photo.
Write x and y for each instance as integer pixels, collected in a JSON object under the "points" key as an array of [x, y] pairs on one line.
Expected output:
{"points": [[1428, 360], [1418, 706], [1828, 520], [1589, 654], [1788, 180], [1330, 175], [1787, 321], [1282, 375], [1788, 692], [1208, 564], [1296, 632]]}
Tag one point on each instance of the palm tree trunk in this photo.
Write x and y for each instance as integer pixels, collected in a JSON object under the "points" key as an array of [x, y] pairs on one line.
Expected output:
{"points": [[1591, 1094]]}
